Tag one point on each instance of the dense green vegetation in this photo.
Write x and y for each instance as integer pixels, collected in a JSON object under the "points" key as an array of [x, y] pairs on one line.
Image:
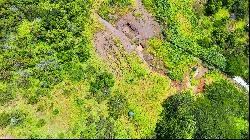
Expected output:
{"points": [[215, 31], [53, 85], [221, 112]]}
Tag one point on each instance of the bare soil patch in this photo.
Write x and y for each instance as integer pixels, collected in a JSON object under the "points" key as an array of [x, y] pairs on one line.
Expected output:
{"points": [[133, 32]]}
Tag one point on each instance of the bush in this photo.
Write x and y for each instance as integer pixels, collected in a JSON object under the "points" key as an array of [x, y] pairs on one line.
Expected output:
{"points": [[40, 123], [117, 105], [178, 121], [101, 88], [6, 96], [223, 108], [103, 82], [13, 118], [213, 6]]}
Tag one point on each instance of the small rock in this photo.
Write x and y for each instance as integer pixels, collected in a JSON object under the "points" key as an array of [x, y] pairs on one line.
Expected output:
{"points": [[13, 121], [38, 19], [139, 48]]}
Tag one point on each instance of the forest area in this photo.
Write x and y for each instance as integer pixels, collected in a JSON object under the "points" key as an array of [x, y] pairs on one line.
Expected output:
{"points": [[124, 69]]}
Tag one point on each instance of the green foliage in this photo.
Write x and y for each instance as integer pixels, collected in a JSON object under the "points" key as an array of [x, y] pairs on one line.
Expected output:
{"points": [[102, 85], [117, 105], [238, 65], [6, 96], [55, 112], [178, 121], [110, 9], [40, 123], [5, 119], [181, 30], [213, 6], [206, 36], [217, 112], [14, 118], [176, 60], [221, 112], [240, 7]]}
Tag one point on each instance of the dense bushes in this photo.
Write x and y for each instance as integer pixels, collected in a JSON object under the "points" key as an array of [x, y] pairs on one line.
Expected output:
{"points": [[102, 85], [221, 112], [41, 37], [239, 7], [214, 35], [175, 59], [111, 9], [178, 121]]}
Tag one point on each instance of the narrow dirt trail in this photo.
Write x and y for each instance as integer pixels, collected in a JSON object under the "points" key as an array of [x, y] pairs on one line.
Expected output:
{"points": [[123, 38]]}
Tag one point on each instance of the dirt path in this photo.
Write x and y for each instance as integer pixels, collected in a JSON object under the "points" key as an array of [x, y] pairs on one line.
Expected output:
{"points": [[133, 32], [123, 38]]}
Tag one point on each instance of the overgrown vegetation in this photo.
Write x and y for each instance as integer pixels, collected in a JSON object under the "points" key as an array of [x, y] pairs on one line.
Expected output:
{"points": [[53, 85], [217, 33], [221, 112]]}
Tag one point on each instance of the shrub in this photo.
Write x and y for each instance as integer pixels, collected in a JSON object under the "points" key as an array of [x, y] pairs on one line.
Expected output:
{"points": [[13, 118], [102, 85], [6, 96], [177, 118], [40, 123], [117, 105], [103, 82], [223, 108], [213, 6]]}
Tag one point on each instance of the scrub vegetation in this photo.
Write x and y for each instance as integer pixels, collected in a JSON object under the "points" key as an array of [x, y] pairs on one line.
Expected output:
{"points": [[55, 83]]}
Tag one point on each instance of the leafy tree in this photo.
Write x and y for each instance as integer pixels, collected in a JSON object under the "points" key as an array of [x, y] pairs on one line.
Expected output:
{"points": [[178, 121], [221, 112]]}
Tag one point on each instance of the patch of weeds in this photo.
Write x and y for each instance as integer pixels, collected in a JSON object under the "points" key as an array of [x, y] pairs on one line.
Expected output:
{"points": [[13, 119], [6, 96], [40, 123], [55, 112], [102, 85], [117, 105]]}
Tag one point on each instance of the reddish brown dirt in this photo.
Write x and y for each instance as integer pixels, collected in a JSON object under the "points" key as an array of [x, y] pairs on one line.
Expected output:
{"points": [[200, 88], [186, 82], [178, 85]]}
